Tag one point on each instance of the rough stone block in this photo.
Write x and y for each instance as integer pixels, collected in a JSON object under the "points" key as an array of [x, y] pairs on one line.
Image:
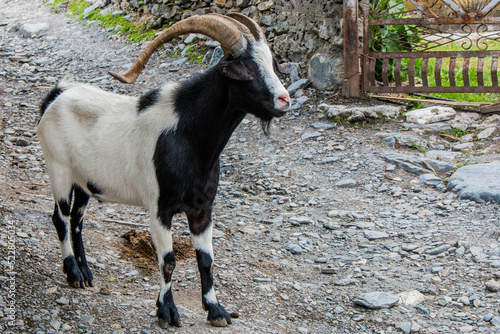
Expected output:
{"points": [[325, 73], [30, 30], [430, 115], [480, 183]]}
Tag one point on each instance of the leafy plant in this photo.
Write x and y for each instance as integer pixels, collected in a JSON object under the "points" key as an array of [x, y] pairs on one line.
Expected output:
{"points": [[457, 132], [416, 105], [390, 38]]}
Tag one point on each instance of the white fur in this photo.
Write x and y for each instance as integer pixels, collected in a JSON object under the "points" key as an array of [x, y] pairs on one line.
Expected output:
{"points": [[88, 134], [211, 297], [203, 241], [263, 57], [162, 238], [66, 249]]}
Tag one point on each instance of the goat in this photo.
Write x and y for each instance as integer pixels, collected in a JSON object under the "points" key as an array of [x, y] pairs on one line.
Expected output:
{"points": [[159, 151]]}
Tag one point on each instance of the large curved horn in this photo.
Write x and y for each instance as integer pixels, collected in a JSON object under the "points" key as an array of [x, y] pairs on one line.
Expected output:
{"points": [[254, 28], [228, 32]]}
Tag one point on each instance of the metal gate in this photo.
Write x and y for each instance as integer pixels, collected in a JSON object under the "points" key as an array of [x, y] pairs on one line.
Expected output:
{"points": [[422, 46]]}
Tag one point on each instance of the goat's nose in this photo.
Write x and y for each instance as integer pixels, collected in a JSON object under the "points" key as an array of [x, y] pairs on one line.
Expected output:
{"points": [[285, 100]]}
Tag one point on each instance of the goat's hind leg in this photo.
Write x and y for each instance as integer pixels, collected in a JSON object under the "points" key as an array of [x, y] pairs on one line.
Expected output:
{"points": [[81, 199], [60, 219], [62, 190]]}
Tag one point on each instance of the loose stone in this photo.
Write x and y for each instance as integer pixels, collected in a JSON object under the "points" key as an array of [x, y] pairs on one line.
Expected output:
{"points": [[62, 301], [374, 235], [376, 300], [404, 326], [438, 250], [492, 285]]}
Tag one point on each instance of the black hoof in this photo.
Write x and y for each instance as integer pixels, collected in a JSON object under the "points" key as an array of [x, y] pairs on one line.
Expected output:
{"points": [[165, 324], [73, 274], [168, 314], [88, 278], [217, 316]]}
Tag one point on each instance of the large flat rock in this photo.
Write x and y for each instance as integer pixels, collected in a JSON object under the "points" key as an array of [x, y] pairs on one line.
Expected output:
{"points": [[480, 183], [416, 165]]}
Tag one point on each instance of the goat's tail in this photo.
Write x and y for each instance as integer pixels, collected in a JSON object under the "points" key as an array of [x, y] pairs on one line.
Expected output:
{"points": [[60, 87]]}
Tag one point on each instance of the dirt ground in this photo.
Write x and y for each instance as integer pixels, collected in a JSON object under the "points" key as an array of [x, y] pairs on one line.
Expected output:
{"points": [[293, 242]]}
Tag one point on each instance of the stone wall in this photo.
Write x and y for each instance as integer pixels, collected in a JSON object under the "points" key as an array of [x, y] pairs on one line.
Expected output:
{"points": [[305, 32]]}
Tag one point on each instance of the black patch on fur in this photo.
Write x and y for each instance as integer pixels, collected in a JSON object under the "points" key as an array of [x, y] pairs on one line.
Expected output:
{"points": [[205, 267], [206, 122], [64, 206], [59, 224], [168, 266], [209, 107], [199, 220], [215, 310], [95, 190], [81, 199], [148, 99], [53, 94]]}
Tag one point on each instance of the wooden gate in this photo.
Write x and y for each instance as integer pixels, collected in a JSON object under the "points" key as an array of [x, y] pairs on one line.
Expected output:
{"points": [[423, 46]]}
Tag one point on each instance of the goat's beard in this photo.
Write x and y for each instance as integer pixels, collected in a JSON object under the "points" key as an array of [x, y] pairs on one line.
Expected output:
{"points": [[266, 126]]}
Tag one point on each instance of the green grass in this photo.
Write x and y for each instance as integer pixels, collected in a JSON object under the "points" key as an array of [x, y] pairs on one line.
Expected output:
{"points": [[135, 32], [457, 132], [194, 55], [458, 74]]}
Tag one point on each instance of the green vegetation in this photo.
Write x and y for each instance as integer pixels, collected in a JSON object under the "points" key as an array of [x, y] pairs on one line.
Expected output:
{"points": [[445, 74], [391, 38], [416, 105], [457, 132], [194, 54], [135, 32], [396, 38]]}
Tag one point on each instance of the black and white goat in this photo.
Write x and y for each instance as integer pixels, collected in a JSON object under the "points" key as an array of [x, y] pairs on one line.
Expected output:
{"points": [[160, 151]]}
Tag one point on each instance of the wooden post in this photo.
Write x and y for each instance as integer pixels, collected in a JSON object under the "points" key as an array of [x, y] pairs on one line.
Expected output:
{"points": [[351, 83]]}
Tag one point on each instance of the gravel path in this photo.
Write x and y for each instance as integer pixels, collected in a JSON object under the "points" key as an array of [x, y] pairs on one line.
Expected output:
{"points": [[309, 223]]}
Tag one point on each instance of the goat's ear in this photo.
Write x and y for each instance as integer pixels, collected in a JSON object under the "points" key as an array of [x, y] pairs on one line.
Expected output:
{"points": [[235, 69], [279, 68]]}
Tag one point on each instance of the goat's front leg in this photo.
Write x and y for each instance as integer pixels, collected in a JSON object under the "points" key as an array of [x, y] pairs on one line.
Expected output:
{"points": [[200, 225], [162, 238]]}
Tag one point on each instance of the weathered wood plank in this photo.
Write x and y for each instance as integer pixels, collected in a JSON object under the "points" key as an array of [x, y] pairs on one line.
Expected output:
{"points": [[425, 66], [480, 78], [437, 71], [371, 72], [411, 72], [465, 72], [494, 72], [397, 72], [385, 72], [451, 72]]}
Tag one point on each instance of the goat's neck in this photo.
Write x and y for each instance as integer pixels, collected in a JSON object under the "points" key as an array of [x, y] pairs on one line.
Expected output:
{"points": [[207, 115]]}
